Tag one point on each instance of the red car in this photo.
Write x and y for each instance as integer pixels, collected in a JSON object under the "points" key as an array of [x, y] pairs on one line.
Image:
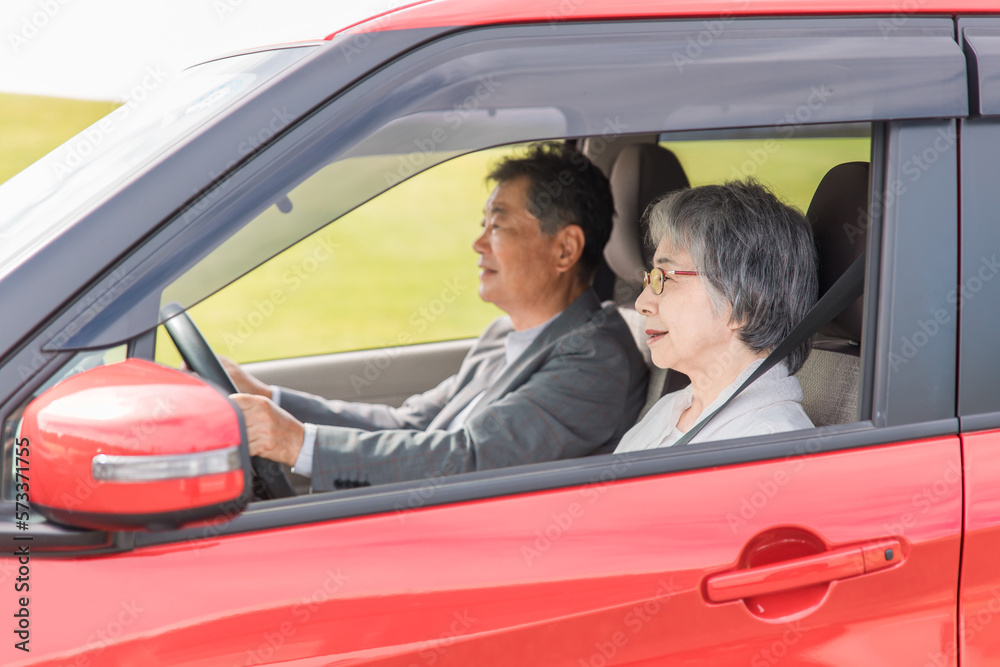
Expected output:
{"points": [[869, 540]]}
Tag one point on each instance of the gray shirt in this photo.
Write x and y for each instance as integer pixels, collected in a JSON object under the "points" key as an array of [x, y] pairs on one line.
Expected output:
{"points": [[574, 391]]}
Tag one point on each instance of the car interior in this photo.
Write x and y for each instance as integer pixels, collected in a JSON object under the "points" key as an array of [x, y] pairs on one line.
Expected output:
{"points": [[830, 379], [640, 169]]}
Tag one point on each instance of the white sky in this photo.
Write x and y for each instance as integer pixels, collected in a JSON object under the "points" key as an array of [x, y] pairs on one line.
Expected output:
{"points": [[100, 49]]}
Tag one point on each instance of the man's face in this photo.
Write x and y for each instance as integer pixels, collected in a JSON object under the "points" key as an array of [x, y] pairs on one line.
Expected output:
{"points": [[516, 259]]}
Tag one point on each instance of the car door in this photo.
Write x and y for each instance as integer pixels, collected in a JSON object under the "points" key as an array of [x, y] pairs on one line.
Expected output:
{"points": [[838, 545], [978, 298]]}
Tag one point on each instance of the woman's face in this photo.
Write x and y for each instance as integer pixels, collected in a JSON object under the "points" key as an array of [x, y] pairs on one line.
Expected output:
{"points": [[684, 333]]}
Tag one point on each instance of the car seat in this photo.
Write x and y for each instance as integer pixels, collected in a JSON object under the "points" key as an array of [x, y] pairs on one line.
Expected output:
{"points": [[838, 212], [641, 174]]}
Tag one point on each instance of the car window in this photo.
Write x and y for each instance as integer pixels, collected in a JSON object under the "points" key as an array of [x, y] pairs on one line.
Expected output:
{"points": [[397, 270], [91, 164], [791, 161], [400, 270]]}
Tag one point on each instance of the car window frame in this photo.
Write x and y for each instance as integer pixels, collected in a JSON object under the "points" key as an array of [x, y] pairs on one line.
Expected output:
{"points": [[464, 58], [887, 283]]}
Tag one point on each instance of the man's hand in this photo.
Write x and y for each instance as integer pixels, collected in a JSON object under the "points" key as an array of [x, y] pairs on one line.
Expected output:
{"points": [[245, 383], [272, 432]]}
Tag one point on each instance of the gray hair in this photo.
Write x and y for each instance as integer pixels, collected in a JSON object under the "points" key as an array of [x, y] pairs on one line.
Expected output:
{"points": [[753, 253]]}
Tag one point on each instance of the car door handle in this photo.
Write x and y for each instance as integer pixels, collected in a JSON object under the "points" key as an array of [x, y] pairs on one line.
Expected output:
{"points": [[824, 567]]}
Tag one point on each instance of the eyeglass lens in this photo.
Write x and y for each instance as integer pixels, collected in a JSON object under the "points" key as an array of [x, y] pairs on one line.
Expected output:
{"points": [[655, 279]]}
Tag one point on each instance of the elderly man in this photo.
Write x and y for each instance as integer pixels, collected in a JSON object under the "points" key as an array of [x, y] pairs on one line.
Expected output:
{"points": [[559, 377]]}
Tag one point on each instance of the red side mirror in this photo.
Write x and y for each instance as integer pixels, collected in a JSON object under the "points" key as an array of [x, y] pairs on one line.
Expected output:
{"points": [[136, 445]]}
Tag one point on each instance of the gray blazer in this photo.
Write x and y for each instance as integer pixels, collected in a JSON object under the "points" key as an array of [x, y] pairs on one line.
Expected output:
{"points": [[574, 391]]}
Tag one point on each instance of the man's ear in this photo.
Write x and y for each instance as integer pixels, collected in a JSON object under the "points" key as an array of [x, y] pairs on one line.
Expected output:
{"points": [[569, 247]]}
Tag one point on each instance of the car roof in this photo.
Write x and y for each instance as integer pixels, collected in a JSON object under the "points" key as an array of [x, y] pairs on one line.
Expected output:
{"points": [[458, 13]]}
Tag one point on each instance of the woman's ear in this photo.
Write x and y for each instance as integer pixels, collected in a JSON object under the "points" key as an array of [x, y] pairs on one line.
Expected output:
{"points": [[734, 323]]}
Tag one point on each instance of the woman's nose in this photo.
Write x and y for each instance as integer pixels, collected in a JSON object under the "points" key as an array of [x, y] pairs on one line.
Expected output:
{"points": [[646, 302]]}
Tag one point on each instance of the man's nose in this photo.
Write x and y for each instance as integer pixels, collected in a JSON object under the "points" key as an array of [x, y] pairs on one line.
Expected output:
{"points": [[645, 303], [479, 244]]}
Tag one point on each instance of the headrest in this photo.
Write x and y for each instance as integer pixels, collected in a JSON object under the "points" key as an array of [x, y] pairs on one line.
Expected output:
{"points": [[641, 173], [839, 217]]}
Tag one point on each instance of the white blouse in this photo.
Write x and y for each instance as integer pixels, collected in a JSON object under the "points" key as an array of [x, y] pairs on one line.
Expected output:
{"points": [[772, 404]]}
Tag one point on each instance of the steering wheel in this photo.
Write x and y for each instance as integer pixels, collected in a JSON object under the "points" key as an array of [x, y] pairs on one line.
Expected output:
{"points": [[270, 481]]}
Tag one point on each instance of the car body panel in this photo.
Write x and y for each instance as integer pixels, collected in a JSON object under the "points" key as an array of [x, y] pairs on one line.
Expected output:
{"points": [[980, 594], [917, 331], [977, 293], [982, 41], [458, 14], [614, 567]]}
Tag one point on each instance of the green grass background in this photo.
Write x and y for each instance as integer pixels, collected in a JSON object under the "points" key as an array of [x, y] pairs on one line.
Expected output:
{"points": [[399, 269], [32, 126]]}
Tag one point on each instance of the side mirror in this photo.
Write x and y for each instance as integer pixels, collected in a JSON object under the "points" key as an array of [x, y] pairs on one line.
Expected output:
{"points": [[136, 445]]}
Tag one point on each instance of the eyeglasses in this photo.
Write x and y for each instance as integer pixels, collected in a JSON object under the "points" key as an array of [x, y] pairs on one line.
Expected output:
{"points": [[657, 276]]}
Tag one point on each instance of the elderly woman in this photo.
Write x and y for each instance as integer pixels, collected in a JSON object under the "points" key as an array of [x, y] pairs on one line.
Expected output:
{"points": [[734, 271]]}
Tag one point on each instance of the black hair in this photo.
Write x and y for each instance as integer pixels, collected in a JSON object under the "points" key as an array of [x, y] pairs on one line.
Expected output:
{"points": [[566, 189]]}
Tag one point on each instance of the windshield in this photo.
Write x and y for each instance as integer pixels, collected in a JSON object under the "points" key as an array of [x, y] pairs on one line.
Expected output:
{"points": [[51, 194]]}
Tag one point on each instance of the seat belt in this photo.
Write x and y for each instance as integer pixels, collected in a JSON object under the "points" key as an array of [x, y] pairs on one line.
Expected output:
{"points": [[841, 294]]}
